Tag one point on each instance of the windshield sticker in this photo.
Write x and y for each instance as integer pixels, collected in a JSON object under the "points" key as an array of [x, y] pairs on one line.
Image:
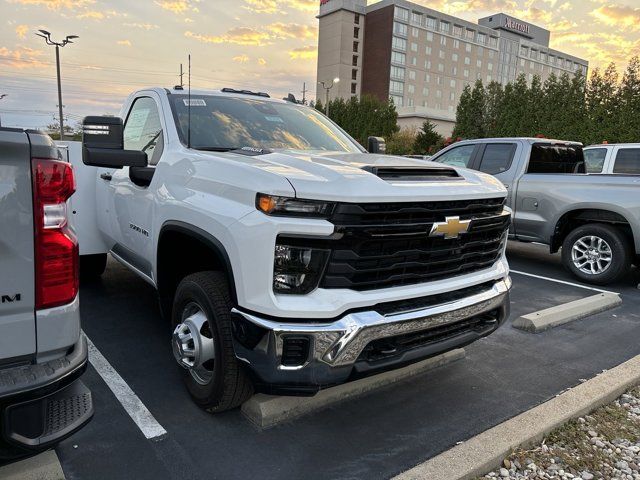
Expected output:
{"points": [[195, 102], [271, 118]]}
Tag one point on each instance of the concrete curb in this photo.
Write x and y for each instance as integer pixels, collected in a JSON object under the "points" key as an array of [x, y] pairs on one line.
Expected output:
{"points": [[486, 451], [267, 411], [568, 312], [45, 466]]}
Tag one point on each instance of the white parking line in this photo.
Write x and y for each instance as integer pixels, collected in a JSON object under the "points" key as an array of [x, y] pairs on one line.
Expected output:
{"points": [[127, 398], [563, 282]]}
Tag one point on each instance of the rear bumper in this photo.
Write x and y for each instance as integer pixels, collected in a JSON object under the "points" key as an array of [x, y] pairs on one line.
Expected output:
{"points": [[40, 405], [302, 358]]}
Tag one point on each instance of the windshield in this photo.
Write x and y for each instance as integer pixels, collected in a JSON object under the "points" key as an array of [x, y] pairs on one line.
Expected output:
{"points": [[219, 122]]}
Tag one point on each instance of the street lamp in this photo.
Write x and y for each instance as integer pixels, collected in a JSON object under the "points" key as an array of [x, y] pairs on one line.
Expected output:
{"points": [[68, 39], [328, 87]]}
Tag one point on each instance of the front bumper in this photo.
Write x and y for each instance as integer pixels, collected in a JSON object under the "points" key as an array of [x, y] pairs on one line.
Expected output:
{"points": [[364, 342], [42, 404]]}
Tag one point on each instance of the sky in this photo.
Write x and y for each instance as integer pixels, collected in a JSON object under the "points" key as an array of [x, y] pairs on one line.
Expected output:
{"points": [[266, 45]]}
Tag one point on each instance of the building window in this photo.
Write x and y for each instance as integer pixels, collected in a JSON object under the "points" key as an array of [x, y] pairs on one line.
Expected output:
{"points": [[355, 61], [400, 29], [354, 88], [457, 30], [493, 42], [452, 83], [396, 87], [445, 27], [427, 77], [412, 74], [397, 72], [489, 79], [482, 38], [414, 61], [454, 57], [438, 80], [479, 63], [467, 47], [399, 44], [454, 71], [492, 54], [438, 93], [466, 73], [481, 51], [425, 92], [416, 18], [452, 97], [427, 65], [440, 67], [397, 101], [354, 74], [428, 50], [441, 54], [456, 43], [490, 66], [414, 47], [399, 58], [415, 32], [432, 23], [357, 19], [411, 89], [467, 61], [356, 32], [355, 47], [410, 102], [443, 41], [430, 36], [402, 14], [471, 34]]}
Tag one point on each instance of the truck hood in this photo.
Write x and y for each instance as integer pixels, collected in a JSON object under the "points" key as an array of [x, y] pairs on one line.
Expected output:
{"points": [[350, 177]]}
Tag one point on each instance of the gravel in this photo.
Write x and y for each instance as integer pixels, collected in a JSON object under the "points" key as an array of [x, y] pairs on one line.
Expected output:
{"points": [[602, 445]]}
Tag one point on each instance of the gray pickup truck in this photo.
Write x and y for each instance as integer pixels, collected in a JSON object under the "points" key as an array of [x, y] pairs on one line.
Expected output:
{"points": [[595, 219], [42, 350]]}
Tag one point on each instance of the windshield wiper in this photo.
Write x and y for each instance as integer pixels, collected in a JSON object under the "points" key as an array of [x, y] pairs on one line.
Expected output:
{"points": [[217, 149]]}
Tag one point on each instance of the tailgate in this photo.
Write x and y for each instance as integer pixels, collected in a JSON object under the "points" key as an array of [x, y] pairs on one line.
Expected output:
{"points": [[17, 295]]}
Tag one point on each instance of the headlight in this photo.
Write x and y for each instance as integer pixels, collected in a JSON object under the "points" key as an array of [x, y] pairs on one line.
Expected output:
{"points": [[297, 270], [293, 207]]}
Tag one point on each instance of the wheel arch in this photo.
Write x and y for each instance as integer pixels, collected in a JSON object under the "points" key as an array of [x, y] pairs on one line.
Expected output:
{"points": [[199, 251], [581, 216]]}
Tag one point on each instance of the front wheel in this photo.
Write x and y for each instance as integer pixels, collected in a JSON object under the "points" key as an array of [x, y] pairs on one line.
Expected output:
{"points": [[202, 343], [597, 253]]}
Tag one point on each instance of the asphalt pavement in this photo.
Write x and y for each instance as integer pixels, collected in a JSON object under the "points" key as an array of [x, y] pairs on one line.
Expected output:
{"points": [[375, 436]]}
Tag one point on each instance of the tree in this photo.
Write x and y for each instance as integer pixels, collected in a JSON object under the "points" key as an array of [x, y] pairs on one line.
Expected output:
{"points": [[630, 103], [402, 142], [470, 121], [427, 139]]}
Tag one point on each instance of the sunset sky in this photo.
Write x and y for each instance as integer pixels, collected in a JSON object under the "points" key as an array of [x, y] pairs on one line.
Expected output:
{"points": [[267, 45]]}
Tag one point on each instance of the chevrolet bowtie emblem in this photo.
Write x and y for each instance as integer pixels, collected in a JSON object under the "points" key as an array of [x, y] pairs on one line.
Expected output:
{"points": [[452, 227]]}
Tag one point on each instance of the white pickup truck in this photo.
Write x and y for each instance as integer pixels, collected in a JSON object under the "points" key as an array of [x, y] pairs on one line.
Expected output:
{"points": [[287, 258], [613, 158]]}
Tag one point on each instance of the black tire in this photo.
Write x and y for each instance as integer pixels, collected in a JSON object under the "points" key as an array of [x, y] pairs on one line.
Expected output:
{"points": [[230, 385], [92, 266], [620, 252]]}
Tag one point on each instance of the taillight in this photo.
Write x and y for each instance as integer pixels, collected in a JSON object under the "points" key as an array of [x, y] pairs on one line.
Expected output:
{"points": [[56, 247]]}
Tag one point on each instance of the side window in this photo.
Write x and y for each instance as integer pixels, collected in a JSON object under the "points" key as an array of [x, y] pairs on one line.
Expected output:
{"points": [[457, 157], [594, 158], [556, 158], [143, 130], [627, 161], [497, 158]]}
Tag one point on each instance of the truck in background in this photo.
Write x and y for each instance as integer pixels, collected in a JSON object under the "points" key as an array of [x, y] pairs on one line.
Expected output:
{"points": [[43, 352], [286, 258], [594, 219]]}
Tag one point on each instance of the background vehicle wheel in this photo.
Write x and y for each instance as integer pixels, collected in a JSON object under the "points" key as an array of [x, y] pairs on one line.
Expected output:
{"points": [[92, 266], [597, 253], [202, 343]]}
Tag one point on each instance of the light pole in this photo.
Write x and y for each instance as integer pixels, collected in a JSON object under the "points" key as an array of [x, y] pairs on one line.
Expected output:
{"points": [[328, 87], [68, 39]]}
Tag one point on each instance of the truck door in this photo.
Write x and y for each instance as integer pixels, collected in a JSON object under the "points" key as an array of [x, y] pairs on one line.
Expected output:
{"points": [[131, 191], [497, 159]]}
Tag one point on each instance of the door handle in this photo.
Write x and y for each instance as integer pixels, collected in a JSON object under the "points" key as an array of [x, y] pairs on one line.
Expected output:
{"points": [[106, 176]]}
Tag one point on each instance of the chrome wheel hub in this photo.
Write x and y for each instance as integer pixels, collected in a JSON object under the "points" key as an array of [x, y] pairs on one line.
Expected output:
{"points": [[591, 255], [193, 344]]}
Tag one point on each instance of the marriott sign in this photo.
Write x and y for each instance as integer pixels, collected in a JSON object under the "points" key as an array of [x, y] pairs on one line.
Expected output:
{"points": [[511, 24]]}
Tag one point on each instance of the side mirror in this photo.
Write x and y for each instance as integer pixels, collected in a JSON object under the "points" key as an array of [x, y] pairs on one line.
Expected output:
{"points": [[377, 145], [103, 144]]}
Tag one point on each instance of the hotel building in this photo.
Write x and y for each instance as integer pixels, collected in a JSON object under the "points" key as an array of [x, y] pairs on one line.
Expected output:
{"points": [[422, 59]]}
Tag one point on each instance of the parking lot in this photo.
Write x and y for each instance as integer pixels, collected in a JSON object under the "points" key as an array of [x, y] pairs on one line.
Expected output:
{"points": [[375, 436]]}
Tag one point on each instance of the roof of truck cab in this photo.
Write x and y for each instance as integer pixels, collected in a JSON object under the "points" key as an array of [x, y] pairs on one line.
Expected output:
{"points": [[520, 139], [600, 145], [213, 92]]}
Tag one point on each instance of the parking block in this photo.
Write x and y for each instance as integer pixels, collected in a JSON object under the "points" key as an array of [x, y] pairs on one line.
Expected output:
{"points": [[568, 312], [267, 411]]}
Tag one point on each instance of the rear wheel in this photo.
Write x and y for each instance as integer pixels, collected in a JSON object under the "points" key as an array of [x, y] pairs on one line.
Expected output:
{"points": [[92, 266], [597, 253], [202, 343]]}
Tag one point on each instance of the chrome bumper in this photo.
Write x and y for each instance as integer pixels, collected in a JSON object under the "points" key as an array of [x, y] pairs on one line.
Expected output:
{"points": [[335, 347]]}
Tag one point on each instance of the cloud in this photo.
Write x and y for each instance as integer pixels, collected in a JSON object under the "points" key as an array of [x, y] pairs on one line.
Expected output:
{"points": [[249, 36], [600, 48], [262, 61], [143, 26], [279, 6], [22, 57], [304, 53], [124, 43], [56, 4], [21, 31], [241, 59], [179, 7], [620, 16], [98, 15], [238, 36]]}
